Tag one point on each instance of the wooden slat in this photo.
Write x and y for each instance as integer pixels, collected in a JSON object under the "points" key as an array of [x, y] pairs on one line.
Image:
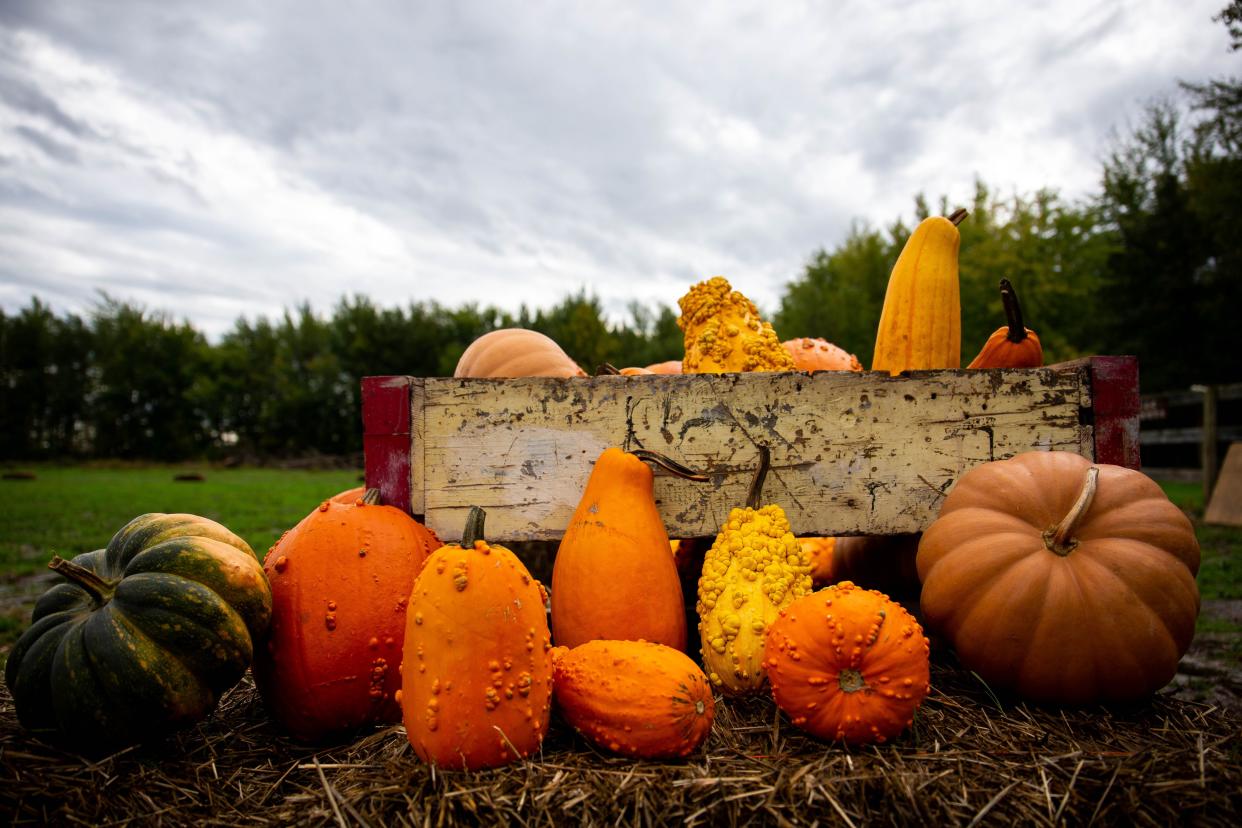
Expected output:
{"points": [[851, 453]]}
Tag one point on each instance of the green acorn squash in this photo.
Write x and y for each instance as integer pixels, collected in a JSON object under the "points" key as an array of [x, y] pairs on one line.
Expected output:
{"points": [[141, 637]]}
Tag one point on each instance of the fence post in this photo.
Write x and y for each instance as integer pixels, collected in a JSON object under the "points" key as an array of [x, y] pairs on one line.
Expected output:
{"points": [[1207, 445]]}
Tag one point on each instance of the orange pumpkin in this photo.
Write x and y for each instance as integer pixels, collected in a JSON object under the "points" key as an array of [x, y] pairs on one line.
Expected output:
{"points": [[673, 366], [516, 352], [340, 581], [1061, 580], [476, 672], [613, 577], [1013, 346], [848, 664], [820, 552], [820, 355], [635, 698], [349, 496], [633, 372]]}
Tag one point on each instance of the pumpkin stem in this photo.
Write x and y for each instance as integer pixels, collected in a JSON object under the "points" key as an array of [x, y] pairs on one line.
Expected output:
{"points": [[87, 579], [958, 216], [756, 483], [371, 498], [607, 369], [851, 680], [1013, 312], [669, 464], [1059, 538], [474, 527]]}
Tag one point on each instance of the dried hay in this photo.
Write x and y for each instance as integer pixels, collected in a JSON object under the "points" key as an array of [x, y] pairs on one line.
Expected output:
{"points": [[969, 757]]}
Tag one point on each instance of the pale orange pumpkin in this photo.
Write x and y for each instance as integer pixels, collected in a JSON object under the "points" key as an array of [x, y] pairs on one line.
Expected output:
{"points": [[672, 366], [634, 698], [1061, 580], [516, 352], [848, 664], [814, 354]]}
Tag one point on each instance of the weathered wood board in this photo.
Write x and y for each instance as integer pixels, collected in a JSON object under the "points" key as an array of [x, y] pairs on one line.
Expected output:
{"points": [[851, 453]]}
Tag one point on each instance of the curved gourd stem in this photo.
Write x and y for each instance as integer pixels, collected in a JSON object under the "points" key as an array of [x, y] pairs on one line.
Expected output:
{"points": [[756, 483], [1059, 539], [1013, 312], [371, 498], [669, 464], [99, 589], [474, 527], [607, 369], [958, 216]]}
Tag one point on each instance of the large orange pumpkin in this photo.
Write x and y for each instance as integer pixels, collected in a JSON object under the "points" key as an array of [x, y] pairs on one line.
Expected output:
{"points": [[340, 582], [1061, 580], [635, 698], [476, 672], [847, 663], [516, 352]]}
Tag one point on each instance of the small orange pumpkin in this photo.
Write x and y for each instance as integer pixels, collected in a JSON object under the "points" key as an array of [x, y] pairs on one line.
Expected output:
{"points": [[820, 552], [476, 672], [1062, 580], [1013, 346], [672, 366], [848, 664], [634, 698], [516, 352], [820, 355], [340, 582]]}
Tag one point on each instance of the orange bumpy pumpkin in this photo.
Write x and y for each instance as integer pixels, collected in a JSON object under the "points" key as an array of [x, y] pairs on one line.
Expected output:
{"points": [[820, 355], [614, 577], [476, 672], [848, 664], [635, 698], [340, 581], [516, 352], [1013, 346], [1061, 580]]}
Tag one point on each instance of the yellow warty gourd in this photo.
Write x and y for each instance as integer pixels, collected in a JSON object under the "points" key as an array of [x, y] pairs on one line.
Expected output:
{"points": [[754, 569], [921, 323], [724, 333]]}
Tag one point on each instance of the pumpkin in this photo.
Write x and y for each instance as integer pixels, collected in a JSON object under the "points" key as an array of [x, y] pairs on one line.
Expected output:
{"points": [[883, 562], [141, 637], [340, 582], [820, 355], [723, 332], [1061, 580], [921, 320], [349, 495], [673, 366], [1013, 346], [516, 352], [635, 698], [634, 372], [819, 554], [848, 664], [476, 672], [754, 569], [613, 577]]}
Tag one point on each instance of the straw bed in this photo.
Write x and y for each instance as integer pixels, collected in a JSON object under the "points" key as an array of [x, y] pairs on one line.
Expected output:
{"points": [[970, 759]]}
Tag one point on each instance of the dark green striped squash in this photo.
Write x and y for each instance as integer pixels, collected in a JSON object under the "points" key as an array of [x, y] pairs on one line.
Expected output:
{"points": [[141, 637]]}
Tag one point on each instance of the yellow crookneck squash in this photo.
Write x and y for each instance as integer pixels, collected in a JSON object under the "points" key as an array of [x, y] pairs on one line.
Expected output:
{"points": [[921, 322], [614, 577], [1014, 345], [755, 568], [724, 332]]}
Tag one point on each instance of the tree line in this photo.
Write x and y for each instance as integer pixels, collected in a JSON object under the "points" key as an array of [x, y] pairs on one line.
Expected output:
{"points": [[1150, 265]]}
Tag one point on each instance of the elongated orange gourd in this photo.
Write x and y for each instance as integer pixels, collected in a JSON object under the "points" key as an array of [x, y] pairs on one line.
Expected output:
{"points": [[921, 323], [633, 697], [614, 577], [1013, 346], [476, 673]]}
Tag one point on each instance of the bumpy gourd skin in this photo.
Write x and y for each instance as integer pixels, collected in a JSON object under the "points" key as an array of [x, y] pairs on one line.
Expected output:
{"points": [[723, 332], [754, 569]]}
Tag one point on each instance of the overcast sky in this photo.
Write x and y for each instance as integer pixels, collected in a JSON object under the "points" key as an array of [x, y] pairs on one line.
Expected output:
{"points": [[226, 158]]}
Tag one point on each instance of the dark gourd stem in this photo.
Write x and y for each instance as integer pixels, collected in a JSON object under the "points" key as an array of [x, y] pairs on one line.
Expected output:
{"points": [[372, 497], [606, 369], [958, 216], [756, 484], [669, 464], [474, 527], [96, 587], [1013, 312], [1059, 539]]}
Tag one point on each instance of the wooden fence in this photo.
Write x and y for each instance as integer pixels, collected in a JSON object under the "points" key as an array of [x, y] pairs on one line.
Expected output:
{"points": [[1184, 435]]}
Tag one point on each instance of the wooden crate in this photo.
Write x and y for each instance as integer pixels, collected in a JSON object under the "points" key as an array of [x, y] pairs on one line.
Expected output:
{"points": [[852, 453]]}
